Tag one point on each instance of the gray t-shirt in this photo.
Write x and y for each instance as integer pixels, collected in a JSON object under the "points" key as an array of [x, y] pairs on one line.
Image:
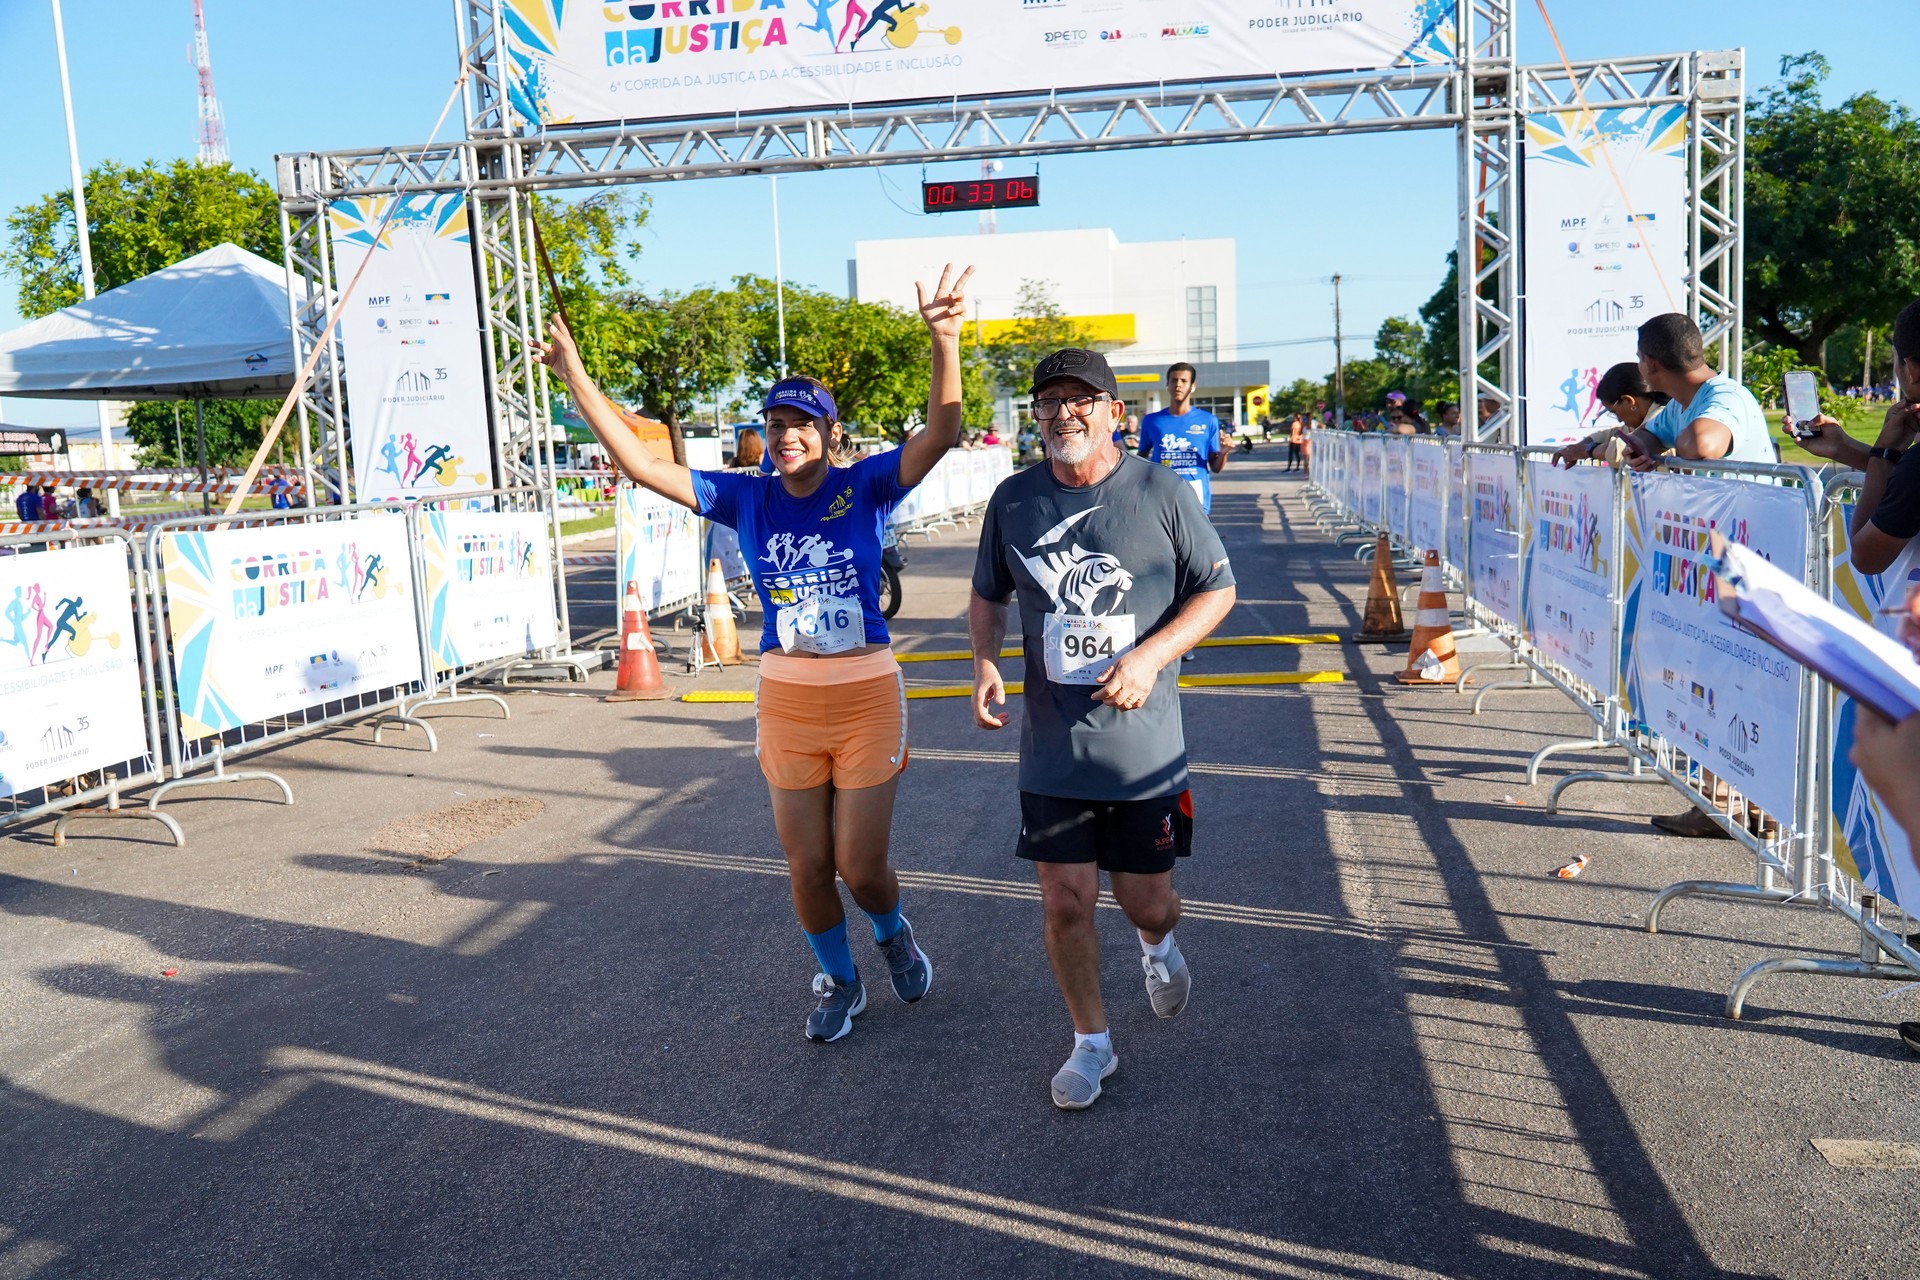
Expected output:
{"points": [[1097, 569]]}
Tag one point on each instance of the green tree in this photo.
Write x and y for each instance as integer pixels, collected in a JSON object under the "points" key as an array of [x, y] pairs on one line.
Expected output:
{"points": [[1039, 329], [1401, 345], [590, 242], [872, 356], [233, 427], [676, 352], [138, 220], [1832, 210]]}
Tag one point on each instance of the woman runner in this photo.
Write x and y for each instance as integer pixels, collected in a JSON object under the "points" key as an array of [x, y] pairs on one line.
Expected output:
{"points": [[831, 731]]}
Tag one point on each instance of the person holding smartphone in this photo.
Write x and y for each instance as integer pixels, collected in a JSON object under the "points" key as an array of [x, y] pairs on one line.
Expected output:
{"points": [[1887, 517]]}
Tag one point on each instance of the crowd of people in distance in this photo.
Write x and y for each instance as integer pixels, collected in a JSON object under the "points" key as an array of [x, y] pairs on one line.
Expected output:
{"points": [[42, 502]]}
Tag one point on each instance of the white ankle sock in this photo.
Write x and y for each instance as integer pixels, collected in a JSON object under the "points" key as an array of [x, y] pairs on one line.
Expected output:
{"points": [[1098, 1041], [1159, 950]]}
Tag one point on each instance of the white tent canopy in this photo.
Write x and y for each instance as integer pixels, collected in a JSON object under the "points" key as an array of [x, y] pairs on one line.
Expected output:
{"points": [[211, 327]]}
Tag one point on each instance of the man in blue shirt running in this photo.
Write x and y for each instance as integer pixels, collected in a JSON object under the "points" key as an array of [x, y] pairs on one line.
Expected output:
{"points": [[1185, 438]]}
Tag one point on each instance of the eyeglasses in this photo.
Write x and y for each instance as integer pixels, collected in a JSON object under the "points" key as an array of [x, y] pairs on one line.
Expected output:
{"points": [[1049, 407]]}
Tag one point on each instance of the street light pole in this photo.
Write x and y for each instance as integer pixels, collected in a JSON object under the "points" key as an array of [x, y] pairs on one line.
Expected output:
{"points": [[86, 244], [779, 275], [1339, 363]]}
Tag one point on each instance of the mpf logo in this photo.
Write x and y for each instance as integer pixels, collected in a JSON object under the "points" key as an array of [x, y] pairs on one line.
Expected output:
{"points": [[1569, 224], [1042, 4], [383, 300]]}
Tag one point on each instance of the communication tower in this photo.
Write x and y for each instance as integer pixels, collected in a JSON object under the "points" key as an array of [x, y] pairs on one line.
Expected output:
{"points": [[213, 130]]}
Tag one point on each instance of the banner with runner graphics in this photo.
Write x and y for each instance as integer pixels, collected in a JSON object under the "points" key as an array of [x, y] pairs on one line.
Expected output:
{"points": [[1569, 560], [416, 393], [1868, 843], [659, 547], [487, 578], [1605, 250], [1493, 537], [1395, 496], [1730, 700], [577, 64], [1459, 506], [273, 620], [1427, 495], [1373, 479], [69, 665]]}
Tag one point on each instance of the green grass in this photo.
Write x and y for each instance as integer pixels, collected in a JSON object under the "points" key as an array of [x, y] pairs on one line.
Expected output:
{"points": [[592, 524]]}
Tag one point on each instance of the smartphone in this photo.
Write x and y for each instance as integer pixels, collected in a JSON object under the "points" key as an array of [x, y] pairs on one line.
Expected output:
{"points": [[1803, 399]]}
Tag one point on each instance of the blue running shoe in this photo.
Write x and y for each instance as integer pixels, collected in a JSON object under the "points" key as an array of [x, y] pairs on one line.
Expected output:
{"points": [[908, 965], [840, 1004]]}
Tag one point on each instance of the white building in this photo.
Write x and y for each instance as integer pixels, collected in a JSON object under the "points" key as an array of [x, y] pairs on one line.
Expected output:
{"points": [[1147, 305]]}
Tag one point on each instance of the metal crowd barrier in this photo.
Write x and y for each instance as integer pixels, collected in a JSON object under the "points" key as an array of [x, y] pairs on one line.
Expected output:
{"points": [[1794, 851], [93, 793]]}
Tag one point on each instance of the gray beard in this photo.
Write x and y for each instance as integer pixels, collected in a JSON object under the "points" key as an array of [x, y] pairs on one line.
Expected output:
{"points": [[1071, 454]]}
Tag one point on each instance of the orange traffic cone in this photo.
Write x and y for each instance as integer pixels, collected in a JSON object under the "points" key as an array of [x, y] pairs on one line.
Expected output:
{"points": [[638, 679], [719, 639], [1430, 658], [1382, 620]]}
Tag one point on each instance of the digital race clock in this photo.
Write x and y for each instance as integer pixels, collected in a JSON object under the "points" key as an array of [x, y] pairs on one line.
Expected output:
{"points": [[981, 193]]}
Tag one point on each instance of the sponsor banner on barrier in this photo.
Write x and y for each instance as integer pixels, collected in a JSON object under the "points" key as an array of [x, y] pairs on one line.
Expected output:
{"points": [[488, 581], [273, 620], [1427, 495], [1493, 539], [1597, 265], [416, 394], [1395, 479], [1869, 844], [571, 64], [69, 666], [1459, 510], [659, 545], [1373, 479], [1569, 561], [1729, 699]]}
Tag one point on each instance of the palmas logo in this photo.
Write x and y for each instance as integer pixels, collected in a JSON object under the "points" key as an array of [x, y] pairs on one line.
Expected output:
{"points": [[643, 34]]}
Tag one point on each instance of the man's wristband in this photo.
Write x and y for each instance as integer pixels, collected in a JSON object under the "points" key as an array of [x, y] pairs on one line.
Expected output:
{"points": [[1889, 455], [1593, 448]]}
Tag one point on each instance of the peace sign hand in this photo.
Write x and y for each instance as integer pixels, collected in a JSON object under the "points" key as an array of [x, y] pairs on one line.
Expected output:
{"points": [[946, 310]]}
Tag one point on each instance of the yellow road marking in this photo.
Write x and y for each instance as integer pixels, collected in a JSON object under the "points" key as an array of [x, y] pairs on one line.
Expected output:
{"points": [[966, 690], [1216, 642]]}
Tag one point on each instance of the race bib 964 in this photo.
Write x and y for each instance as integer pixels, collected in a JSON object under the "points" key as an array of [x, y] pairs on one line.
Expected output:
{"points": [[1079, 649]]}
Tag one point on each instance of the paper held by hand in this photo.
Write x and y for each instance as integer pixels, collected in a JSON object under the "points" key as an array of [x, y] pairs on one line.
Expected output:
{"points": [[1871, 667]]}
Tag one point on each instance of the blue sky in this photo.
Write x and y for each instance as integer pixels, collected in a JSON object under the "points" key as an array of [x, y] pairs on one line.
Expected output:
{"points": [[1378, 209]]}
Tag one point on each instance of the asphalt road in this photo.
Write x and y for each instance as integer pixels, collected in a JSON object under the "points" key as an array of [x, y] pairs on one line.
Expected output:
{"points": [[573, 1047]]}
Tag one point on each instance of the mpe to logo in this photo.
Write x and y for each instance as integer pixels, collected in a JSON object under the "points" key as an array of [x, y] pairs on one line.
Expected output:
{"points": [[1065, 37]]}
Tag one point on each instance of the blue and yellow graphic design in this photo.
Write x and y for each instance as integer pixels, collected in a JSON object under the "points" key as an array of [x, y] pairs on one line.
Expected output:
{"points": [[1580, 137], [354, 220]]}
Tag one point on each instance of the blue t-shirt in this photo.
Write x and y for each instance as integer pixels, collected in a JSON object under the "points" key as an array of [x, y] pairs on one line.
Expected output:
{"points": [[1725, 401], [1184, 442], [815, 560]]}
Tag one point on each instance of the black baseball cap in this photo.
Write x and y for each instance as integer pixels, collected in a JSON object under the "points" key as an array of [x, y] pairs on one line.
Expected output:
{"points": [[1077, 362]]}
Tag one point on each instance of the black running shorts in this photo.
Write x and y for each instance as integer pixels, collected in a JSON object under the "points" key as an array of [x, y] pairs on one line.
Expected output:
{"points": [[1137, 837]]}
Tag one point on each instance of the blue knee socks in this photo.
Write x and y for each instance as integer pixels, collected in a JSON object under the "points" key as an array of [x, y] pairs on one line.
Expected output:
{"points": [[886, 923], [830, 949]]}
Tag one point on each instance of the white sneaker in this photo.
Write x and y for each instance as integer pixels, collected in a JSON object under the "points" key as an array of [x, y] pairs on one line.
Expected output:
{"points": [[1169, 982]]}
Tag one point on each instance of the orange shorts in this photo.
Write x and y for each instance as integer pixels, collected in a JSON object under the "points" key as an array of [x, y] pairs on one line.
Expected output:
{"points": [[838, 720]]}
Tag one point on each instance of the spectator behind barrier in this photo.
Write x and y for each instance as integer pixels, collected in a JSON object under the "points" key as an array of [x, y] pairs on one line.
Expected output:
{"points": [[1887, 516], [1712, 417], [750, 451], [27, 505], [1625, 394], [84, 506]]}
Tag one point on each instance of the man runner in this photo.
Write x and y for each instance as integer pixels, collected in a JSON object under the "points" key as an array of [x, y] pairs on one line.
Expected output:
{"points": [[1185, 438], [1118, 573]]}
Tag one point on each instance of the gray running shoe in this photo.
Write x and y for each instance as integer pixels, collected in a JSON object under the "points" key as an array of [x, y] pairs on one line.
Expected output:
{"points": [[1169, 982], [908, 965], [840, 1004], [1077, 1083]]}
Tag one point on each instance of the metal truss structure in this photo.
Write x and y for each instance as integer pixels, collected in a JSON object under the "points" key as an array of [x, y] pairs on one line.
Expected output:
{"points": [[1483, 96]]}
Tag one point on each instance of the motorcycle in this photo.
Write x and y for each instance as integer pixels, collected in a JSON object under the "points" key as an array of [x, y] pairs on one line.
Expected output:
{"points": [[893, 558]]}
